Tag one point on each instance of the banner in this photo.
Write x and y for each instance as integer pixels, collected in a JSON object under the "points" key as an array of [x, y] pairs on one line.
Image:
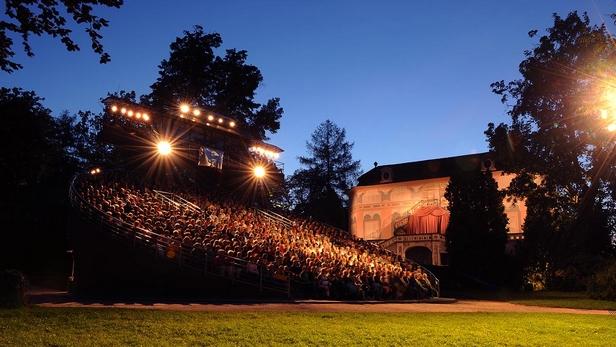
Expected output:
{"points": [[210, 157]]}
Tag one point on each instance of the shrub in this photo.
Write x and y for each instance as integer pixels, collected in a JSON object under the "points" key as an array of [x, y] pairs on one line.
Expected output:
{"points": [[12, 289], [603, 283]]}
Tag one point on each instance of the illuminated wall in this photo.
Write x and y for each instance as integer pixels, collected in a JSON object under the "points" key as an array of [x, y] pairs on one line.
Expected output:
{"points": [[374, 208]]}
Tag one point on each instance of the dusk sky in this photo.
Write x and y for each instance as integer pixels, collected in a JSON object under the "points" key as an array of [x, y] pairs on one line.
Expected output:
{"points": [[408, 80]]}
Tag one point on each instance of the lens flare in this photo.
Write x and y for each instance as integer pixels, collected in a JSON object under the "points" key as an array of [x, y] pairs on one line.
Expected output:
{"points": [[258, 171], [164, 148]]}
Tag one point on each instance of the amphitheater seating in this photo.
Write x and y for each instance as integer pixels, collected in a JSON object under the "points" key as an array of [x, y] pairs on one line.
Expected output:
{"points": [[242, 243]]}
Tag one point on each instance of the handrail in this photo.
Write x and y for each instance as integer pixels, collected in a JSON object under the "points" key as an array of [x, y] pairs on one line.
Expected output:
{"points": [[181, 201], [402, 220], [275, 217]]}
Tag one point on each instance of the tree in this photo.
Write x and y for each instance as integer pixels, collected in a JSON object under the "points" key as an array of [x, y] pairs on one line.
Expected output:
{"points": [[39, 17], [320, 188], [227, 84], [35, 171], [477, 229], [559, 146]]}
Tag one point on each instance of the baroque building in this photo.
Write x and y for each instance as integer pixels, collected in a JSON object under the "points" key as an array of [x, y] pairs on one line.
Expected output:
{"points": [[402, 206]]}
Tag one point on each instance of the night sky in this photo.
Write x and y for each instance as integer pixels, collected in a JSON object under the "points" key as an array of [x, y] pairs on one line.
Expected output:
{"points": [[408, 80]]}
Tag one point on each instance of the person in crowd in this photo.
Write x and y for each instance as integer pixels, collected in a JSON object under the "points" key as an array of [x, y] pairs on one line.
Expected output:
{"points": [[322, 259]]}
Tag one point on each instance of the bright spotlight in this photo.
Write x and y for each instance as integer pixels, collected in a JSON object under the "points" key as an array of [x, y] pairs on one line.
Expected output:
{"points": [[611, 127], [210, 118], [146, 117], [164, 148], [232, 124], [123, 110], [220, 120], [138, 115], [196, 112], [130, 113], [258, 171], [184, 108], [114, 108]]}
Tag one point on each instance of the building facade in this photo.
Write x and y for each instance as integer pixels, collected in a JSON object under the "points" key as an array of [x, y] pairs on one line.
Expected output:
{"points": [[403, 207]]}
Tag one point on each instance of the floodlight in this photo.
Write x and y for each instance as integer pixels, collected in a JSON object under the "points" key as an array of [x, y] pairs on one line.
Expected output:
{"points": [[258, 171], [164, 148]]}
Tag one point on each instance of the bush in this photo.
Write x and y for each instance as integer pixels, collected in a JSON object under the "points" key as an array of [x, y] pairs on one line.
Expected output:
{"points": [[12, 289], [603, 284]]}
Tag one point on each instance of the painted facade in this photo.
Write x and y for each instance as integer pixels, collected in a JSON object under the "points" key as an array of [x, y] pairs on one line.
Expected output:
{"points": [[375, 208]]}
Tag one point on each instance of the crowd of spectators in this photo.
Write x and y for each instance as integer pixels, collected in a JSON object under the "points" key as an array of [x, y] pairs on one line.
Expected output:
{"points": [[320, 260]]}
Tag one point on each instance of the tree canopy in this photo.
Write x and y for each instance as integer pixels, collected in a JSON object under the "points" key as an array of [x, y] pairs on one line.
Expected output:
{"points": [[39, 17], [477, 229], [320, 188], [559, 143], [195, 73]]}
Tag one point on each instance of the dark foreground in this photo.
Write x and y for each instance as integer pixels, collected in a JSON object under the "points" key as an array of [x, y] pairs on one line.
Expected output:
{"points": [[110, 326]]}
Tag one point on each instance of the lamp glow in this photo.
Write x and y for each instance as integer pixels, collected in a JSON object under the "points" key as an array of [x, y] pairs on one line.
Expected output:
{"points": [[114, 108], [164, 148], [210, 118], [611, 127], [196, 112], [123, 110], [146, 117], [220, 120], [129, 113], [232, 124], [258, 171], [184, 108]]}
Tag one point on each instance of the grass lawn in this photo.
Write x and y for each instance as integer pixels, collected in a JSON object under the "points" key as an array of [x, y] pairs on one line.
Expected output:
{"points": [[72, 326], [563, 299]]}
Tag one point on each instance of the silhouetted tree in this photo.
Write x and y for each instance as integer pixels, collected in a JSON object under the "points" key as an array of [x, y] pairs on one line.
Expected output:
{"points": [[320, 188], [477, 230], [38, 17], [195, 73], [35, 171], [559, 146]]}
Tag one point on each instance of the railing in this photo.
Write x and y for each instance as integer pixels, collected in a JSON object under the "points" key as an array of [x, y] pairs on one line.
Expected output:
{"points": [[402, 221], [204, 261], [176, 200], [276, 217]]}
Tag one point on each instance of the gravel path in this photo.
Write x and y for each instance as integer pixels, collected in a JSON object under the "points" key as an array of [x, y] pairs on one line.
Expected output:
{"points": [[329, 306]]}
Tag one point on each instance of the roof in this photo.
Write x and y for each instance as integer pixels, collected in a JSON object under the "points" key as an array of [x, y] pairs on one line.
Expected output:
{"points": [[426, 169]]}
